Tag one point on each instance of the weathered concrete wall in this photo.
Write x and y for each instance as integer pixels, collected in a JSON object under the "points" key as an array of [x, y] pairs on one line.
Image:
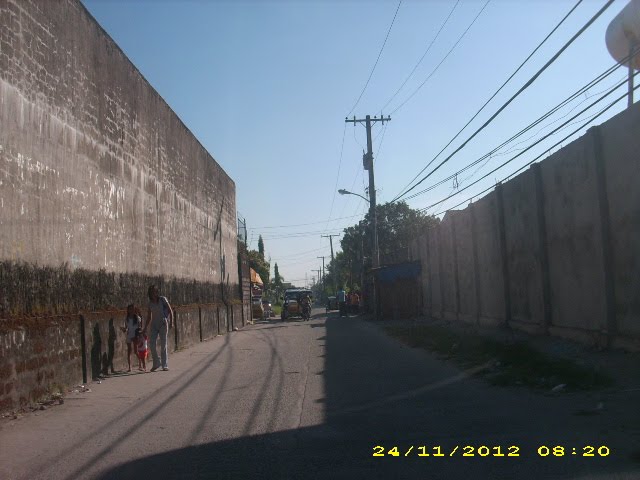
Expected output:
{"points": [[96, 171], [35, 361], [621, 147], [489, 260], [573, 237], [209, 318], [463, 239], [187, 327], [434, 272], [57, 352], [523, 249], [553, 250], [448, 273]]}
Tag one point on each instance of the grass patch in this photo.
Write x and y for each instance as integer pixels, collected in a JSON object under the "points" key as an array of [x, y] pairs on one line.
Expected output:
{"points": [[277, 309], [515, 364]]}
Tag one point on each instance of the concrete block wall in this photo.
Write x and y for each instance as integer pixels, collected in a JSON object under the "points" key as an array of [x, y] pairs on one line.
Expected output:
{"points": [[523, 249], [448, 274], [96, 171], [34, 361], [466, 289], [552, 251], [490, 275], [55, 353], [621, 149]]}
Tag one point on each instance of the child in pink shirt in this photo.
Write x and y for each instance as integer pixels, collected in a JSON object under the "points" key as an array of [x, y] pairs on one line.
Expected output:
{"points": [[141, 342]]}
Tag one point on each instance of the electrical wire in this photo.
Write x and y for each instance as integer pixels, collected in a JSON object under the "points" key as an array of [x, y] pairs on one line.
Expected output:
{"points": [[300, 224], [494, 94], [423, 55], [554, 131], [561, 105], [443, 60], [377, 60], [539, 156], [344, 131], [522, 89]]}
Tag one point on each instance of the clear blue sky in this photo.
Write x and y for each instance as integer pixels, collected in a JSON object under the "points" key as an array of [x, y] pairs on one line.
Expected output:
{"points": [[265, 86]]}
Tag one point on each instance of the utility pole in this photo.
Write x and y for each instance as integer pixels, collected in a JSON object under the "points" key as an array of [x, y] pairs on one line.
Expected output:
{"points": [[367, 161], [322, 270], [319, 272], [332, 258]]}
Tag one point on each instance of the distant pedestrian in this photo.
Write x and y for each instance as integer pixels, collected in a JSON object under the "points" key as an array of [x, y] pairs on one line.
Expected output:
{"points": [[132, 322], [142, 349], [160, 319], [342, 301], [355, 303]]}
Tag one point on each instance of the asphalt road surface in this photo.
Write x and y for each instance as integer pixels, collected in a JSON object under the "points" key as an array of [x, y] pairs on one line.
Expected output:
{"points": [[313, 400]]}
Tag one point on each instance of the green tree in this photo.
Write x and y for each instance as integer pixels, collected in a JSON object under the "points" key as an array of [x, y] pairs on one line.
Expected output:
{"points": [[260, 265], [261, 246], [276, 284], [398, 224]]}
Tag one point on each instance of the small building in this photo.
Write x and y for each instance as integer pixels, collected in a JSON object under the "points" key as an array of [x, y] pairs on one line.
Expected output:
{"points": [[399, 290]]}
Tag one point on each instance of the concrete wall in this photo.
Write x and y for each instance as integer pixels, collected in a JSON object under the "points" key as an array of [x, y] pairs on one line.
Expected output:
{"points": [[621, 147], [523, 249], [54, 353], [96, 171], [554, 250], [47, 356], [490, 274], [467, 308], [448, 272]]}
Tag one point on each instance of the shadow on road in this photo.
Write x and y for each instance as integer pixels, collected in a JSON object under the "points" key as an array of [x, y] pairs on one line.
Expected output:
{"points": [[378, 393]]}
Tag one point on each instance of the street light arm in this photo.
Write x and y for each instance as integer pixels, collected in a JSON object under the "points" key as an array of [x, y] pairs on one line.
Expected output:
{"points": [[342, 191]]}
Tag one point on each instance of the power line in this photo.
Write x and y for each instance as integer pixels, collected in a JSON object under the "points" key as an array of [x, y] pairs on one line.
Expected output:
{"points": [[377, 60], [537, 142], [423, 56], [522, 89], [344, 131], [557, 129], [301, 224], [532, 125], [442, 61], [495, 93]]}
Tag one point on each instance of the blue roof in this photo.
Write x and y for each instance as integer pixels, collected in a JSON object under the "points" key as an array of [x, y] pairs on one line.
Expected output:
{"points": [[400, 271]]}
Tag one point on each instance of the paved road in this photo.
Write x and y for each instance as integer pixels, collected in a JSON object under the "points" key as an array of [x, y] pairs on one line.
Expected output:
{"points": [[310, 400]]}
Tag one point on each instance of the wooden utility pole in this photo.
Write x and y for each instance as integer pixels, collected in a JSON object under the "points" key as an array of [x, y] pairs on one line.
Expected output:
{"points": [[322, 272], [367, 161], [332, 258]]}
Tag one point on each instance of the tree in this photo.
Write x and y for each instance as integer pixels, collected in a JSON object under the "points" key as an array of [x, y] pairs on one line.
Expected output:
{"points": [[260, 265], [398, 224], [276, 283], [277, 280], [261, 246]]}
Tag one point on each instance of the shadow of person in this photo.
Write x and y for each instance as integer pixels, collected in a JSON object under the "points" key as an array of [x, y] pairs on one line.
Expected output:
{"points": [[111, 345], [96, 353]]}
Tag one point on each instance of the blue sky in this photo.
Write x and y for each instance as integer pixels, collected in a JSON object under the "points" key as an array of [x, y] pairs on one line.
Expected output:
{"points": [[265, 86]]}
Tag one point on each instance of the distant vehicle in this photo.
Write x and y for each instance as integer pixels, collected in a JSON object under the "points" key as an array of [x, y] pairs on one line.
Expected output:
{"points": [[256, 308], [332, 304], [291, 306], [268, 310]]}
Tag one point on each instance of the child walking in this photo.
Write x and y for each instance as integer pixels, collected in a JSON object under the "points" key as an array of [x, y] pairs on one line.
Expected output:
{"points": [[142, 349], [132, 322]]}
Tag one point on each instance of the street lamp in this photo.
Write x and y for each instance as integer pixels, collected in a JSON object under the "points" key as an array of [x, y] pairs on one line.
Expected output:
{"points": [[375, 260], [342, 191]]}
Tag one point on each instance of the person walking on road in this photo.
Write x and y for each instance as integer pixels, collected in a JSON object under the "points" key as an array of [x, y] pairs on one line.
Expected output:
{"points": [[342, 299], [160, 318], [131, 324]]}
